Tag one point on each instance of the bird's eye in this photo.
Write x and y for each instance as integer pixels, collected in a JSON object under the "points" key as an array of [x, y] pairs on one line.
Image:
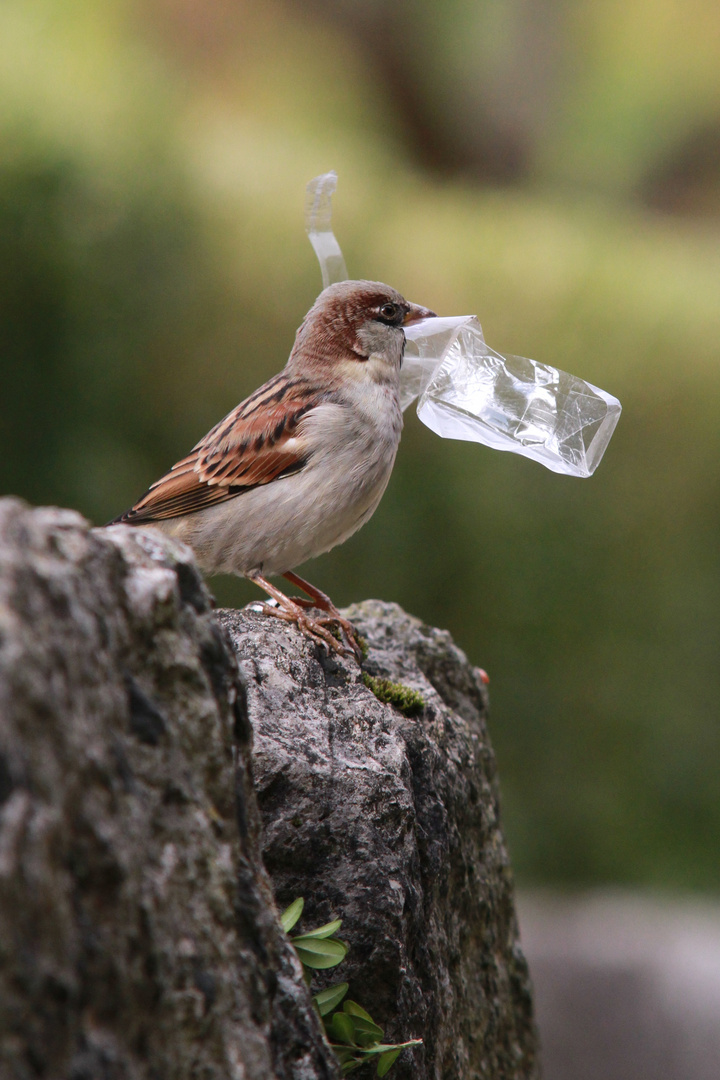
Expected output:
{"points": [[390, 312]]}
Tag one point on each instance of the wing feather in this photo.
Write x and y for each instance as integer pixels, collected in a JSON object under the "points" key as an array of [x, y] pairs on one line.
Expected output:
{"points": [[254, 444]]}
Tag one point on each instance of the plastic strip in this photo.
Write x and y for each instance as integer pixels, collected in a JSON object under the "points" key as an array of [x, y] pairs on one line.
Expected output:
{"points": [[318, 217]]}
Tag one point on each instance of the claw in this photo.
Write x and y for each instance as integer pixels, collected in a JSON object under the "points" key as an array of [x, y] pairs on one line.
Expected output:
{"points": [[333, 616], [322, 601], [293, 609], [311, 628], [350, 634]]}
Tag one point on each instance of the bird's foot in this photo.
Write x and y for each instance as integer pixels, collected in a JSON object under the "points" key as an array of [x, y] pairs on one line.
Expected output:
{"points": [[322, 601], [295, 610], [317, 629], [334, 618], [314, 629], [349, 632]]}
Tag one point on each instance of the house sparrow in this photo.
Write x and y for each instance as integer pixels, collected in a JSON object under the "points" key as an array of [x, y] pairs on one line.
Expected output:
{"points": [[303, 462]]}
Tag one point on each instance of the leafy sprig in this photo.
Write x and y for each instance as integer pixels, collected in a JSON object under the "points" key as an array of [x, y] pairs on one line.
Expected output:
{"points": [[351, 1031]]}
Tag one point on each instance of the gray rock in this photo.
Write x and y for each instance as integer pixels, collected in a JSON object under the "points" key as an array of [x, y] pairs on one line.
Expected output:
{"points": [[138, 933], [391, 823], [127, 949]]}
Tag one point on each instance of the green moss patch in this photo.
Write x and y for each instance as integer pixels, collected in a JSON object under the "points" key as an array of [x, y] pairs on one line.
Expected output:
{"points": [[408, 701]]}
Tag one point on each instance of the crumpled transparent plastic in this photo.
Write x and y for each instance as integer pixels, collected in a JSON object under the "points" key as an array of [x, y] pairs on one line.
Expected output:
{"points": [[466, 390]]}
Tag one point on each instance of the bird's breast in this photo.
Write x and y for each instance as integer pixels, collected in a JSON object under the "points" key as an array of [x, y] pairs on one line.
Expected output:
{"points": [[350, 447]]}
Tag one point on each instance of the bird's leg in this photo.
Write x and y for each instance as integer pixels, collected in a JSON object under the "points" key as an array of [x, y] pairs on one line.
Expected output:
{"points": [[323, 601], [289, 611]]}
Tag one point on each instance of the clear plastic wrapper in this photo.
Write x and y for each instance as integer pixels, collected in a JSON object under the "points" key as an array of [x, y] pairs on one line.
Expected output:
{"points": [[466, 390], [426, 343]]}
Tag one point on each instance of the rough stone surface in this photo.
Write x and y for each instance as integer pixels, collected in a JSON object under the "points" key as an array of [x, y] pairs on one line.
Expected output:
{"points": [[138, 935], [391, 824], [138, 938]]}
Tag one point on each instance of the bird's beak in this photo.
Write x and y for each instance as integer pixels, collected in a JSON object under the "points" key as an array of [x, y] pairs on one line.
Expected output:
{"points": [[416, 313]]}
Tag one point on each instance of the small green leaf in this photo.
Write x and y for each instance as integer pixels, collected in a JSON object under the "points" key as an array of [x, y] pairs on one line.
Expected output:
{"points": [[354, 1009], [351, 1066], [329, 999], [343, 1053], [341, 1026], [367, 1032], [320, 954], [323, 931], [386, 1061], [367, 1040], [291, 915]]}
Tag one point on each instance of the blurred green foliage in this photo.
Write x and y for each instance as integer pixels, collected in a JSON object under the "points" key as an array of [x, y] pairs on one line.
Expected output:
{"points": [[153, 268]]}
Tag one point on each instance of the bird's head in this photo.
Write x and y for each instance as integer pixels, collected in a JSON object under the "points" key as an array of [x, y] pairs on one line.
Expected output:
{"points": [[356, 323]]}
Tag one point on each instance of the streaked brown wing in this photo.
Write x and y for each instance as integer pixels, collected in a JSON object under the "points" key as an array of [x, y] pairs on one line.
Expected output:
{"points": [[256, 443]]}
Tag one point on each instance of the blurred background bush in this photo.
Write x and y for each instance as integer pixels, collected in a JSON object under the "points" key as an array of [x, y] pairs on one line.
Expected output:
{"points": [[554, 168]]}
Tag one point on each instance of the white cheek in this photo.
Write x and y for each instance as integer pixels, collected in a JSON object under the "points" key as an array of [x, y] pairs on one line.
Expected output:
{"points": [[376, 369]]}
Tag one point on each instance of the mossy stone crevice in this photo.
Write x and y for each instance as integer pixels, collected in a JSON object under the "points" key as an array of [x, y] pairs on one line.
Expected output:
{"points": [[408, 701]]}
